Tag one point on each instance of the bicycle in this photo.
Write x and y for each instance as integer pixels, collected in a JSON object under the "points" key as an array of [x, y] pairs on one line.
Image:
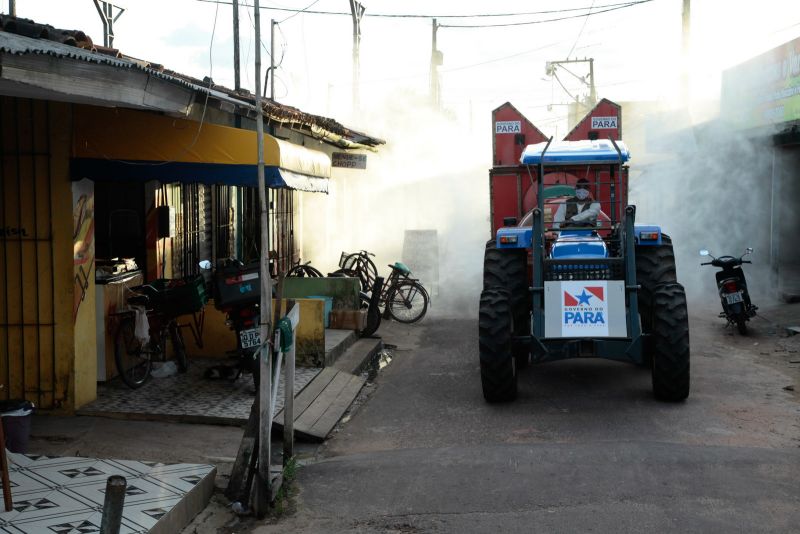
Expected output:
{"points": [[358, 265], [163, 304], [403, 298], [304, 270]]}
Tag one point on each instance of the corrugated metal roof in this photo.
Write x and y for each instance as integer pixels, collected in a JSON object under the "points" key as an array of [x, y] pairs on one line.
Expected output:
{"points": [[314, 125]]}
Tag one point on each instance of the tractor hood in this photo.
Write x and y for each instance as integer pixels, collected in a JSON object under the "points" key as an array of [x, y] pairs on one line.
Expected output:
{"points": [[578, 244]]}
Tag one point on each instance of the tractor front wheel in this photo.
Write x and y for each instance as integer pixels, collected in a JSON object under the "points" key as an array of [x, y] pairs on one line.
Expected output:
{"points": [[508, 269], [495, 330], [669, 343]]}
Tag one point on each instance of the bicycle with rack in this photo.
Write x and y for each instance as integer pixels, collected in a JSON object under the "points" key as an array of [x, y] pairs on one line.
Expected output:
{"points": [[403, 298], [162, 302]]}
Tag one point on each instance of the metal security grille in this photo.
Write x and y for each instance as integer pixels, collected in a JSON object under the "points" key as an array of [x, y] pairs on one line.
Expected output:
{"points": [[27, 274], [281, 228], [223, 222]]}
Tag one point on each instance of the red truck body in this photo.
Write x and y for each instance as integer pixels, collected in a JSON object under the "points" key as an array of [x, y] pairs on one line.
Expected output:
{"points": [[511, 185]]}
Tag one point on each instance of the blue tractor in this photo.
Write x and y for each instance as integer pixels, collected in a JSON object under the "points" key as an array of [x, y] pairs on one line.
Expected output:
{"points": [[606, 290]]}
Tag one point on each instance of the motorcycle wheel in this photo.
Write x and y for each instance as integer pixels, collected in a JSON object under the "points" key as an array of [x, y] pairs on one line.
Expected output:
{"points": [[741, 324]]}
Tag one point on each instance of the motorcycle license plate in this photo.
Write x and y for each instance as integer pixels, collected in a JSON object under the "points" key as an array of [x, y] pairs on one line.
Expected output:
{"points": [[250, 338], [733, 298]]}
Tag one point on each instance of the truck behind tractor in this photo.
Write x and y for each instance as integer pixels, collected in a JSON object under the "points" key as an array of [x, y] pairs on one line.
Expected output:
{"points": [[552, 292]]}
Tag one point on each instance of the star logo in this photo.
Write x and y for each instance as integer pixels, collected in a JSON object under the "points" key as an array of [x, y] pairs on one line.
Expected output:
{"points": [[583, 298]]}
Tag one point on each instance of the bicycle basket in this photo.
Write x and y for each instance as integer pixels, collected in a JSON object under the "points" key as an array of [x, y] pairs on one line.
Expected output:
{"points": [[179, 297], [342, 259]]}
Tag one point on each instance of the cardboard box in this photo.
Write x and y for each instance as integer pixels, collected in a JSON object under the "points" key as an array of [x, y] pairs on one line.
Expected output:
{"points": [[349, 319]]}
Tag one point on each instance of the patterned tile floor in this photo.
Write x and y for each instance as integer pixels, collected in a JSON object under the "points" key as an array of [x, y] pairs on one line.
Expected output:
{"points": [[189, 396], [65, 495]]}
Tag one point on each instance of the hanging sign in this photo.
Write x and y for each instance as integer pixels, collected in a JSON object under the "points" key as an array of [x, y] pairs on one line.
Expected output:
{"points": [[349, 161]]}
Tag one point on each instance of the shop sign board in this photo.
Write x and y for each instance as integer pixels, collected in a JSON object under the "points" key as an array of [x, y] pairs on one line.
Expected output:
{"points": [[349, 161], [764, 90]]}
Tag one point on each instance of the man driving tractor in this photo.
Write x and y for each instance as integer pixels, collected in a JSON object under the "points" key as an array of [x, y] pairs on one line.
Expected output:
{"points": [[580, 210]]}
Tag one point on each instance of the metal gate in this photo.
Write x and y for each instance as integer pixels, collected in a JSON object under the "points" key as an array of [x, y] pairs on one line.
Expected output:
{"points": [[27, 282]]}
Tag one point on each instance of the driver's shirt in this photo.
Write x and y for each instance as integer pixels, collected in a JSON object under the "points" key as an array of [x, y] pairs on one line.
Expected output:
{"points": [[588, 211]]}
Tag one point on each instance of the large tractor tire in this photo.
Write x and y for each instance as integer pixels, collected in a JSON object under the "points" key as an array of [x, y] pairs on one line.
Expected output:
{"points": [[508, 269], [669, 346], [495, 326], [655, 265]]}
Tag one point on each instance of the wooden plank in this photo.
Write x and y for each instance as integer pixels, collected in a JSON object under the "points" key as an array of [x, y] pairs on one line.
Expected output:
{"points": [[337, 407], [311, 415], [309, 393]]}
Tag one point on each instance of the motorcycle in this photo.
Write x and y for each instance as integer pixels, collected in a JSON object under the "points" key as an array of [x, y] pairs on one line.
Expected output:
{"points": [[237, 293], [736, 306]]}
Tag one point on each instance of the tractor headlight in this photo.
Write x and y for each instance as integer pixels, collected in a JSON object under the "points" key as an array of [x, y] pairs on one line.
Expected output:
{"points": [[508, 240]]}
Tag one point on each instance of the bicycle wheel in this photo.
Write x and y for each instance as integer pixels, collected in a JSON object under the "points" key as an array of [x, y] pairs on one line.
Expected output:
{"points": [[302, 271], [407, 301], [178, 346], [133, 359]]}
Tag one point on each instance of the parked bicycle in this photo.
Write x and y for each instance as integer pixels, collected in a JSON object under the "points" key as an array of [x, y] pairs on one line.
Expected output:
{"points": [[302, 270], [163, 301], [403, 298]]}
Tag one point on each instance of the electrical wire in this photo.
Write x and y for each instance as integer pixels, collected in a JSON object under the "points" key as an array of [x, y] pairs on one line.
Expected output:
{"points": [[414, 16], [298, 12], [578, 38], [528, 23]]}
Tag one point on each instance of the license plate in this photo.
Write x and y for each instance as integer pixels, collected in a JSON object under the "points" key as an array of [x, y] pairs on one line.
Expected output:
{"points": [[250, 338], [733, 298]]}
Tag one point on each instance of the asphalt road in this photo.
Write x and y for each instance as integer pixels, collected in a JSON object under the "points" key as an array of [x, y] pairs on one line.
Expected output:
{"points": [[585, 448]]}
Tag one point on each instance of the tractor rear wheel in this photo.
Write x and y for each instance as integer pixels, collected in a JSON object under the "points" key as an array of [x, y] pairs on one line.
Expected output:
{"points": [[669, 346], [655, 265], [495, 327], [508, 269]]}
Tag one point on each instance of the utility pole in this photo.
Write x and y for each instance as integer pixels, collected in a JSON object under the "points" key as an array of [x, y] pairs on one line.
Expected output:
{"points": [[272, 60], [106, 11], [237, 81], [356, 11], [262, 480], [685, 33], [12, 8], [590, 101], [436, 61]]}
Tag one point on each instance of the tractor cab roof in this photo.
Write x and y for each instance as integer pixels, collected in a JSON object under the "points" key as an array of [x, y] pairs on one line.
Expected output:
{"points": [[576, 153]]}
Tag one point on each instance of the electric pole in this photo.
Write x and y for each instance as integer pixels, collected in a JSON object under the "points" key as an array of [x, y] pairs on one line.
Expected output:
{"points": [[237, 82], [586, 103], [106, 11], [685, 32], [262, 481], [272, 60], [12, 8], [356, 11], [436, 61]]}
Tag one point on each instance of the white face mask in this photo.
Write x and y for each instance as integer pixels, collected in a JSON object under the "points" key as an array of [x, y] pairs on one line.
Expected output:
{"points": [[582, 194]]}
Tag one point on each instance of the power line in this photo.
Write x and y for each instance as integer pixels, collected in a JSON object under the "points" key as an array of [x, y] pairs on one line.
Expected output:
{"points": [[414, 16], [578, 38], [527, 23], [298, 12]]}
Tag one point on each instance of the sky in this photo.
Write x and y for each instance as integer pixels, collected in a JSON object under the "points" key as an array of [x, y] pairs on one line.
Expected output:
{"points": [[636, 50]]}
